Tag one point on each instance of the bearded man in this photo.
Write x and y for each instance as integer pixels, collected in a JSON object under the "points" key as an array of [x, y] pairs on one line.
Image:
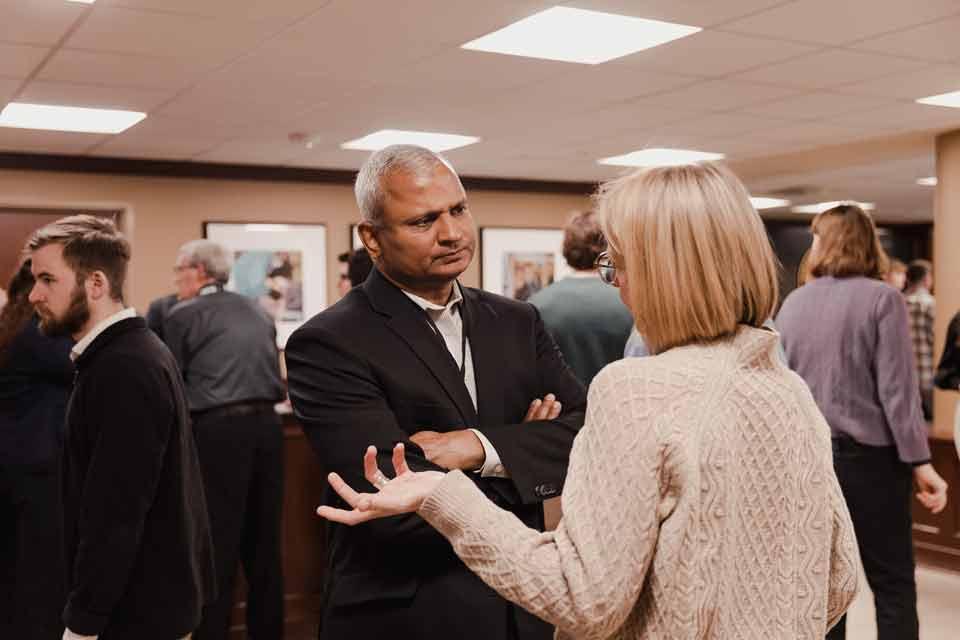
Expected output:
{"points": [[136, 533]]}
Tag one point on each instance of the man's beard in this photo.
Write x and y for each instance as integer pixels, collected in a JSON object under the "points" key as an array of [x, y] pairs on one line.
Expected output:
{"points": [[73, 318]]}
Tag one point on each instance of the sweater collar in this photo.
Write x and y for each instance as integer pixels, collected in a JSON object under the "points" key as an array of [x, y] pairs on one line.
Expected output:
{"points": [[105, 336]]}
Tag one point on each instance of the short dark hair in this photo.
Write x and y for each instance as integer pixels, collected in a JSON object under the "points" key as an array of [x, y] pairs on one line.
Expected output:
{"points": [[849, 244], [582, 240], [90, 243], [344, 257], [917, 271], [359, 266]]}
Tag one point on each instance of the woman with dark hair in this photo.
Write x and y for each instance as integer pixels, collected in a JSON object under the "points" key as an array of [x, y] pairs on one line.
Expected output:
{"points": [[35, 378], [846, 333]]}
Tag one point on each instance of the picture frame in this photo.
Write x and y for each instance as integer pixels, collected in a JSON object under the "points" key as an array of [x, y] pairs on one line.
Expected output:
{"points": [[355, 241], [517, 262], [281, 265]]}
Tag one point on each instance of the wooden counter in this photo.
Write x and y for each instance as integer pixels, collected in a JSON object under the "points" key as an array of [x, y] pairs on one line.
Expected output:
{"points": [[937, 537]]}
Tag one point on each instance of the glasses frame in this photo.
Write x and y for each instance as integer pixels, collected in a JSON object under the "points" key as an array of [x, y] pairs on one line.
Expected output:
{"points": [[606, 269]]}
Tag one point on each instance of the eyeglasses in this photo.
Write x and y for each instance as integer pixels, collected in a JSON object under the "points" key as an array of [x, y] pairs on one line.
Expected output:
{"points": [[606, 268]]}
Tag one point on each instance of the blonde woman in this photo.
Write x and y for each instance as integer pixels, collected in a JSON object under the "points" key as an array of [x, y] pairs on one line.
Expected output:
{"points": [[700, 500]]}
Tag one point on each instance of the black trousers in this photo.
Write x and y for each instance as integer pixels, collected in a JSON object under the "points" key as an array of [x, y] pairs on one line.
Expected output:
{"points": [[241, 459], [878, 489], [32, 575]]}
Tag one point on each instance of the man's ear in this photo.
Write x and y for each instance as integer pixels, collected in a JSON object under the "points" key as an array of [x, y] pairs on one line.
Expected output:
{"points": [[97, 285], [368, 236]]}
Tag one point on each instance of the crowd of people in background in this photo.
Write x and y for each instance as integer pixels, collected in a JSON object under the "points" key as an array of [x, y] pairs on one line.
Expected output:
{"points": [[141, 459]]}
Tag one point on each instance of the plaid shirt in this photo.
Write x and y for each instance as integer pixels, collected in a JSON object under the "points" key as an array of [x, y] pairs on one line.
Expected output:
{"points": [[920, 307]]}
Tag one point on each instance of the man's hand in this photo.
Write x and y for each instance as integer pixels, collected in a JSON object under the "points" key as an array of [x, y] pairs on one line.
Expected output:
{"points": [[931, 488], [546, 409], [452, 450]]}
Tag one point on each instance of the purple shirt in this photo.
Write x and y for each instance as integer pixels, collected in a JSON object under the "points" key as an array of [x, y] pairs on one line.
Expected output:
{"points": [[849, 339]]}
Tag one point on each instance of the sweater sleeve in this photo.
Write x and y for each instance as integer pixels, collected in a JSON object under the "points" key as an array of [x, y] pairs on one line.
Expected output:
{"points": [[586, 576], [844, 576], [896, 376]]}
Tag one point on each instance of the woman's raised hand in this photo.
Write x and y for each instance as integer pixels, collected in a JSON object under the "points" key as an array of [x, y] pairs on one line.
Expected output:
{"points": [[403, 494]]}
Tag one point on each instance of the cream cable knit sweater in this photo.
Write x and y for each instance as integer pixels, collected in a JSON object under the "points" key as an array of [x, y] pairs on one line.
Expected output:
{"points": [[700, 502]]}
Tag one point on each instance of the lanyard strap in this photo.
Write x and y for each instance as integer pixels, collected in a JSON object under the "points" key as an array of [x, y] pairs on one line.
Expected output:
{"points": [[463, 339]]}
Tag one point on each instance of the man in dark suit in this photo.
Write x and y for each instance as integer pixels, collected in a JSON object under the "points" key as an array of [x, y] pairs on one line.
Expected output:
{"points": [[465, 379]]}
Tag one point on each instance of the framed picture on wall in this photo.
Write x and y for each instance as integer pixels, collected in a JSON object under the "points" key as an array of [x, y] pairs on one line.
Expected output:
{"points": [[518, 262], [355, 242], [281, 266]]}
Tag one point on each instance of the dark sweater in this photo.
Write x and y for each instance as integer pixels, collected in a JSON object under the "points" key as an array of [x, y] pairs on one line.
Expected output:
{"points": [[137, 537], [35, 378]]}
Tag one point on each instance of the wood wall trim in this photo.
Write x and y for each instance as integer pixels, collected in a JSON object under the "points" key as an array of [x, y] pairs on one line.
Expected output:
{"points": [[217, 171]]}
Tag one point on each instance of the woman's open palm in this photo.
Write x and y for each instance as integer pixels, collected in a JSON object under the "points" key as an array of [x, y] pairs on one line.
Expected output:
{"points": [[403, 494]]}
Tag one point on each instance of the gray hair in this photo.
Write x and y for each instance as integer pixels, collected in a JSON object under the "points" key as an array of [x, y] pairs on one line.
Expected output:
{"points": [[212, 256], [403, 158]]}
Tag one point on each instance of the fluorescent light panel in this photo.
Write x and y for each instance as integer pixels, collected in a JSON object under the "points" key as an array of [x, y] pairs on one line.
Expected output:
{"points": [[82, 1], [819, 207], [436, 142], [768, 203], [660, 158], [577, 35], [928, 182], [951, 99], [22, 115]]}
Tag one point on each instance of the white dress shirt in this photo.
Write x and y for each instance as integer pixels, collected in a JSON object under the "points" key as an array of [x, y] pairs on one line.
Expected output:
{"points": [[449, 323]]}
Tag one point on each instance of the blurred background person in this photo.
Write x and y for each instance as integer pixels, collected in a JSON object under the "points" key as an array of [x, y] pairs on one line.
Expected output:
{"points": [[35, 379], [846, 333], [225, 345], [702, 480], [343, 282], [586, 317], [947, 376], [157, 313], [358, 267], [921, 309], [896, 274]]}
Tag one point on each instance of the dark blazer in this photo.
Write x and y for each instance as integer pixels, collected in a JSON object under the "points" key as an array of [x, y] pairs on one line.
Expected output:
{"points": [[136, 532], [370, 370]]}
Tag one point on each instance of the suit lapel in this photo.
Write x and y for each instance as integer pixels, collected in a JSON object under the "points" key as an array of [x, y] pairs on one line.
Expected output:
{"points": [[408, 321], [486, 349]]}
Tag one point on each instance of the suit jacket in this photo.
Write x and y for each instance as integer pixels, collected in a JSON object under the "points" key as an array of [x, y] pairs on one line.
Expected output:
{"points": [[370, 370]]}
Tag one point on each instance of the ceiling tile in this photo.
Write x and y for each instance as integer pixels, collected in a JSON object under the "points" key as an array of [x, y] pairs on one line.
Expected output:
{"points": [[210, 41], [87, 95], [693, 12], [721, 125], [830, 22], [720, 95], [7, 88], [715, 53], [814, 105], [831, 68], [113, 69], [937, 42], [32, 140], [253, 151], [904, 116], [42, 22], [251, 9], [929, 81], [19, 61]]}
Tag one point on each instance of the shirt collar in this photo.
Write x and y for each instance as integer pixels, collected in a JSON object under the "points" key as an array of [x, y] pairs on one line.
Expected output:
{"points": [[100, 327], [426, 305]]}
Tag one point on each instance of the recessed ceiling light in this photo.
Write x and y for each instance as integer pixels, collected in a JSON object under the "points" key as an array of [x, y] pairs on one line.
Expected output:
{"points": [[928, 182], [660, 158], [436, 142], [22, 115], [577, 35], [820, 207], [768, 203], [951, 99]]}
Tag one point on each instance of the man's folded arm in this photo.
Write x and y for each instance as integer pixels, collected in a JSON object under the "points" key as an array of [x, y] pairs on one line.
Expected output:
{"points": [[342, 410], [536, 454]]}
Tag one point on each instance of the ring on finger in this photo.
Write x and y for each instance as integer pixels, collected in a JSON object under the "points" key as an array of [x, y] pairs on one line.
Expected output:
{"points": [[379, 480]]}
